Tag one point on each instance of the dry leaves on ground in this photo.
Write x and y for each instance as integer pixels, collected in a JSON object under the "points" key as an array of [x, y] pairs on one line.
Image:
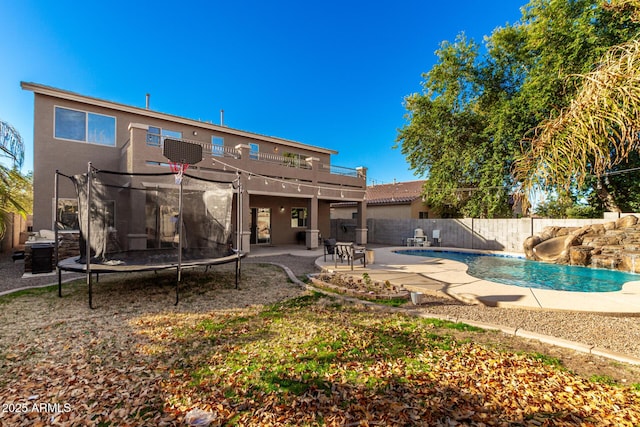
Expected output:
{"points": [[267, 354]]}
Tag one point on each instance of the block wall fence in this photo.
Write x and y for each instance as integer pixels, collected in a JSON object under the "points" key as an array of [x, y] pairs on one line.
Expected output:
{"points": [[470, 233]]}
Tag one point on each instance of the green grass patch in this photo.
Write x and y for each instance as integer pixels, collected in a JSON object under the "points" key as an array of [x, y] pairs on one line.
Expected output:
{"points": [[547, 360], [4, 299], [393, 302], [458, 326], [296, 345], [602, 379]]}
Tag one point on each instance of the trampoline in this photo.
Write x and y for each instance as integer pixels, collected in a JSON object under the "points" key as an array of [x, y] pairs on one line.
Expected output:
{"points": [[135, 222]]}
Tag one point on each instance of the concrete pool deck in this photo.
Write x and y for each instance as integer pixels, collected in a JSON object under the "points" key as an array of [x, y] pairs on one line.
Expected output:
{"points": [[438, 276]]}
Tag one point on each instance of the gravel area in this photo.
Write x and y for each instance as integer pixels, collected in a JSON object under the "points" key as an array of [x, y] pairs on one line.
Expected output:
{"points": [[11, 276], [614, 333]]}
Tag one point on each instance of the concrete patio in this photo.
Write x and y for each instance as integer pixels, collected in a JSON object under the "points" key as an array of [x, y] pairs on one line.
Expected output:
{"points": [[440, 276]]}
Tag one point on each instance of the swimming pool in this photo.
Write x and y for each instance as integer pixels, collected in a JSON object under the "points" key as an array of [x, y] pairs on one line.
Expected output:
{"points": [[510, 270]]}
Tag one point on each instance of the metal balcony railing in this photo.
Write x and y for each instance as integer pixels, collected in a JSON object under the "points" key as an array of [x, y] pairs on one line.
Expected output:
{"points": [[291, 161], [339, 170]]}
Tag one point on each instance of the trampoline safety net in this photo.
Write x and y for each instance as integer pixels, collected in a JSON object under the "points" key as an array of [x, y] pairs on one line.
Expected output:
{"points": [[133, 219]]}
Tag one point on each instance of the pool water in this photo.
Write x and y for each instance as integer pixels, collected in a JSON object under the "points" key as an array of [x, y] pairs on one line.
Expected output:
{"points": [[522, 272]]}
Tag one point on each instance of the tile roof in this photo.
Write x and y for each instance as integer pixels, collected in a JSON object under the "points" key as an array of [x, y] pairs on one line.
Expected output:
{"points": [[399, 193], [394, 194]]}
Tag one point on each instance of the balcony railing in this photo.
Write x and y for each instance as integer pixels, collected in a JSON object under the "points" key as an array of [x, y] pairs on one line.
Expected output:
{"points": [[294, 162], [340, 170], [220, 151]]}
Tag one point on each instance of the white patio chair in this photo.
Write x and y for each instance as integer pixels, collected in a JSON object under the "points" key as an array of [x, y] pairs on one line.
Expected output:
{"points": [[419, 238]]}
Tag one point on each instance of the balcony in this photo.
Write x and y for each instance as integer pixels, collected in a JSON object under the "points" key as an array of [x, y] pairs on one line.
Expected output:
{"points": [[298, 171]]}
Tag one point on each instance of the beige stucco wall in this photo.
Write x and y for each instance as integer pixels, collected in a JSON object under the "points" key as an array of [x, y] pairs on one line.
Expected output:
{"points": [[405, 211], [72, 157]]}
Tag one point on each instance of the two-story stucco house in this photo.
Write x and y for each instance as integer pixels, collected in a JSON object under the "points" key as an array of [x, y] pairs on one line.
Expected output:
{"points": [[288, 186]]}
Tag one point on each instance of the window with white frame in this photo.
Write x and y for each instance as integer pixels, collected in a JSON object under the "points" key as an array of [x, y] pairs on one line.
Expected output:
{"points": [[254, 150], [83, 126], [156, 135], [298, 217], [217, 146]]}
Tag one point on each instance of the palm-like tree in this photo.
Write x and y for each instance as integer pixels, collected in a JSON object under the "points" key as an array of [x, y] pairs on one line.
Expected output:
{"points": [[11, 180], [597, 131]]}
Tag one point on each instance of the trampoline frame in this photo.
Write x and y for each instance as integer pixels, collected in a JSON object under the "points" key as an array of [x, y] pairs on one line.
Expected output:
{"points": [[89, 268]]}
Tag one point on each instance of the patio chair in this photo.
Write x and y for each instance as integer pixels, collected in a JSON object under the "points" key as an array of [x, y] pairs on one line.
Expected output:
{"points": [[419, 238], [351, 252], [329, 248]]}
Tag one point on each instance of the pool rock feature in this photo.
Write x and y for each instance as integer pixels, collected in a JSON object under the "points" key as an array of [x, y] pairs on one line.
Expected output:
{"points": [[612, 245], [580, 255]]}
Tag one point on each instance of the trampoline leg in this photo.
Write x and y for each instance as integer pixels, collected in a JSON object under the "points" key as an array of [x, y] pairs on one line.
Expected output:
{"points": [[237, 271], [90, 291], [177, 283], [59, 283]]}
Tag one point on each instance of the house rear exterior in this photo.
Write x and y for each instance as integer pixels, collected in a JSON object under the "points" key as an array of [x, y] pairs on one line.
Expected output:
{"points": [[288, 186]]}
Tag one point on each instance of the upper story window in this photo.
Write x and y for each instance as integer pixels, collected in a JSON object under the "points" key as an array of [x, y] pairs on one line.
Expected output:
{"points": [[155, 135], [217, 146], [254, 150], [76, 125]]}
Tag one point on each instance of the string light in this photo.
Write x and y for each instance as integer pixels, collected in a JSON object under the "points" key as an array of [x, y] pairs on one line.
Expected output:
{"points": [[283, 182], [364, 197]]}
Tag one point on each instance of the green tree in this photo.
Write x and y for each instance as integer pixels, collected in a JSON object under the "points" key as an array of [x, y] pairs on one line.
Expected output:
{"points": [[445, 136], [473, 118], [15, 188]]}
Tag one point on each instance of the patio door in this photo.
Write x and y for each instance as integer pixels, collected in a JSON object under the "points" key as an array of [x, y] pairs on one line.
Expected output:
{"points": [[260, 226]]}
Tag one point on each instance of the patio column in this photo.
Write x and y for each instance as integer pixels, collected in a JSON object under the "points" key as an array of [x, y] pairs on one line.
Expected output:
{"points": [[245, 242], [361, 214], [312, 231], [361, 223]]}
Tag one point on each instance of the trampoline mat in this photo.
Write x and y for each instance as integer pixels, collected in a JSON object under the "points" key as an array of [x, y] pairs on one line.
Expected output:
{"points": [[145, 261]]}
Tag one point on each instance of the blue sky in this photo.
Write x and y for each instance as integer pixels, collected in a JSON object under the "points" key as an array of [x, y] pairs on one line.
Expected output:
{"points": [[327, 73]]}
